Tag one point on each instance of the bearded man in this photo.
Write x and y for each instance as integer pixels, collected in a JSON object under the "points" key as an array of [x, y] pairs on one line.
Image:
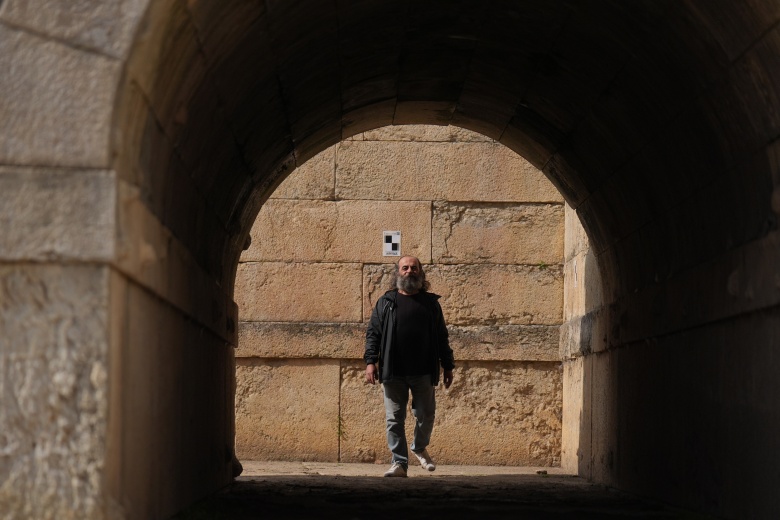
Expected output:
{"points": [[407, 345]]}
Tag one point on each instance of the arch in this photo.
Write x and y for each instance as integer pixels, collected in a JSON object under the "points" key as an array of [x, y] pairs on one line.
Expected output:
{"points": [[657, 121]]}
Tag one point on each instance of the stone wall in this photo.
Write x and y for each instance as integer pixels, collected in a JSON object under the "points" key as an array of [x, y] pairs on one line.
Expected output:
{"points": [[493, 244]]}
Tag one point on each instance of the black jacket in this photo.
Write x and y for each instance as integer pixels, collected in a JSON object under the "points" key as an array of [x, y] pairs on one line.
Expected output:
{"points": [[380, 336]]}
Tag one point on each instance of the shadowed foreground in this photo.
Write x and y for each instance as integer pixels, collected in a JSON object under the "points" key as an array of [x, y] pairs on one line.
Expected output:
{"points": [[357, 491]]}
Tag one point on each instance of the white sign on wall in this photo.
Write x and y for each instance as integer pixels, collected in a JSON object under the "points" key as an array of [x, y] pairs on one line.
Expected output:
{"points": [[391, 243]]}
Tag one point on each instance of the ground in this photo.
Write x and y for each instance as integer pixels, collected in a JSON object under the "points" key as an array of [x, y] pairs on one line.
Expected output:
{"points": [[304, 490]]}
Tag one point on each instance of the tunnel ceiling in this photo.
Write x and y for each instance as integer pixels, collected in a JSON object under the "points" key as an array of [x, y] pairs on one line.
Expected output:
{"points": [[632, 109]]}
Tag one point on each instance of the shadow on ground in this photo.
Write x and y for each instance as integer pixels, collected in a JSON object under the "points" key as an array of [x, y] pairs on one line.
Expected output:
{"points": [[451, 497]]}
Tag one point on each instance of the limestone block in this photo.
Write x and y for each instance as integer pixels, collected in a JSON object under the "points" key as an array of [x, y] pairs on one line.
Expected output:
{"points": [[344, 231], [575, 239], [54, 392], [572, 424], [484, 294], [275, 291], [287, 410], [103, 26], [175, 408], [582, 292], [424, 133], [601, 408], [497, 234], [57, 102], [301, 340], [314, 179], [363, 437], [505, 342], [502, 413], [148, 253], [47, 214], [438, 171]]}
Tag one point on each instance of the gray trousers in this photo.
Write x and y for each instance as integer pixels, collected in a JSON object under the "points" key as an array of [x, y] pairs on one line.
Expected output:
{"points": [[423, 407]]}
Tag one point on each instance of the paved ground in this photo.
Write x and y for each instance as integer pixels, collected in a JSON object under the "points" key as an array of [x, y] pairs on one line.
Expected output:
{"points": [[305, 490]]}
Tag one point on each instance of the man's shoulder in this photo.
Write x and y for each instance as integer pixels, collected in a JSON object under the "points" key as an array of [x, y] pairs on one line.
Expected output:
{"points": [[388, 296]]}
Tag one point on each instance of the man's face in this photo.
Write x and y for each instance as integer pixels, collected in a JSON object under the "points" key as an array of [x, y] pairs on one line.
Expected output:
{"points": [[409, 266], [409, 275]]}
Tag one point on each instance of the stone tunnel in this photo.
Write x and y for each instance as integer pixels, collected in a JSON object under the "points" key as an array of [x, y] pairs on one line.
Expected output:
{"points": [[139, 140]]}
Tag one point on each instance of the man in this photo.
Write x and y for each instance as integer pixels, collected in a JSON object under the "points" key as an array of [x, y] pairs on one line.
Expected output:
{"points": [[406, 342]]}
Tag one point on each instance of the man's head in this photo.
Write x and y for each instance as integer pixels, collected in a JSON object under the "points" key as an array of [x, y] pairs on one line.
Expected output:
{"points": [[409, 276]]}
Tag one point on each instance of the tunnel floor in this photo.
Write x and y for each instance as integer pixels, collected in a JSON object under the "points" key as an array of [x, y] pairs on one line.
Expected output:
{"points": [[300, 490]]}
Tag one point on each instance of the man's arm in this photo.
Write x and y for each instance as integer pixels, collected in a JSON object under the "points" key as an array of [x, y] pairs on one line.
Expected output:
{"points": [[446, 357], [373, 344]]}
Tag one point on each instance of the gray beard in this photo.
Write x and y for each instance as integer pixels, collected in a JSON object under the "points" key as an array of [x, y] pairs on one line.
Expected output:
{"points": [[409, 283]]}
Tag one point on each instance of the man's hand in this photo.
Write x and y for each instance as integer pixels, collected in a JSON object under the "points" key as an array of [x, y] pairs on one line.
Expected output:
{"points": [[447, 378], [372, 373]]}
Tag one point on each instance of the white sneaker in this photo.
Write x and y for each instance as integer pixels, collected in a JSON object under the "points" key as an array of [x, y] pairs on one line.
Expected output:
{"points": [[425, 460], [396, 470]]}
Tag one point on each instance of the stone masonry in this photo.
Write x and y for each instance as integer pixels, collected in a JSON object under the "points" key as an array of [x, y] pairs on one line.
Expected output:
{"points": [[308, 282]]}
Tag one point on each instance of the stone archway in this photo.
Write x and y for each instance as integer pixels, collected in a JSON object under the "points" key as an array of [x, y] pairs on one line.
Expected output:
{"points": [[165, 125]]}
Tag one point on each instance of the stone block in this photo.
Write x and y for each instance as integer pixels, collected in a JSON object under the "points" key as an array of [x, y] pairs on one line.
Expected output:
{"points": [[505, 342], [345, 231], [54, 361], [575, 239], [103, 26], [314, 179], [505, 413], [573, 426], [438, 171], [287, 410], [57, 214], [484, 294], [301, 340], [322, 292], [497, 234], [176, 406], [603, 415], [363, 437], [582, 292], [424, 133], [148, 253], [57, 102]]}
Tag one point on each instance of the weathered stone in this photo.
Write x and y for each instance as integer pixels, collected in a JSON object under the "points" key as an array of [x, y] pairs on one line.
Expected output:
{"points": [[301, 340], [505, 342], [288, 410], [423, 133], [314, 179], [275, 291], [485, 294], [575, 239], [53, 357], [497, 234], [507, 413], [150, 254], [47, 214], [103, 26], [346, 231], [572, 459], [363, 437], [347, 341], [45, 115], [463, 171], [504, 413], [582, 292], [163, 358]]}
